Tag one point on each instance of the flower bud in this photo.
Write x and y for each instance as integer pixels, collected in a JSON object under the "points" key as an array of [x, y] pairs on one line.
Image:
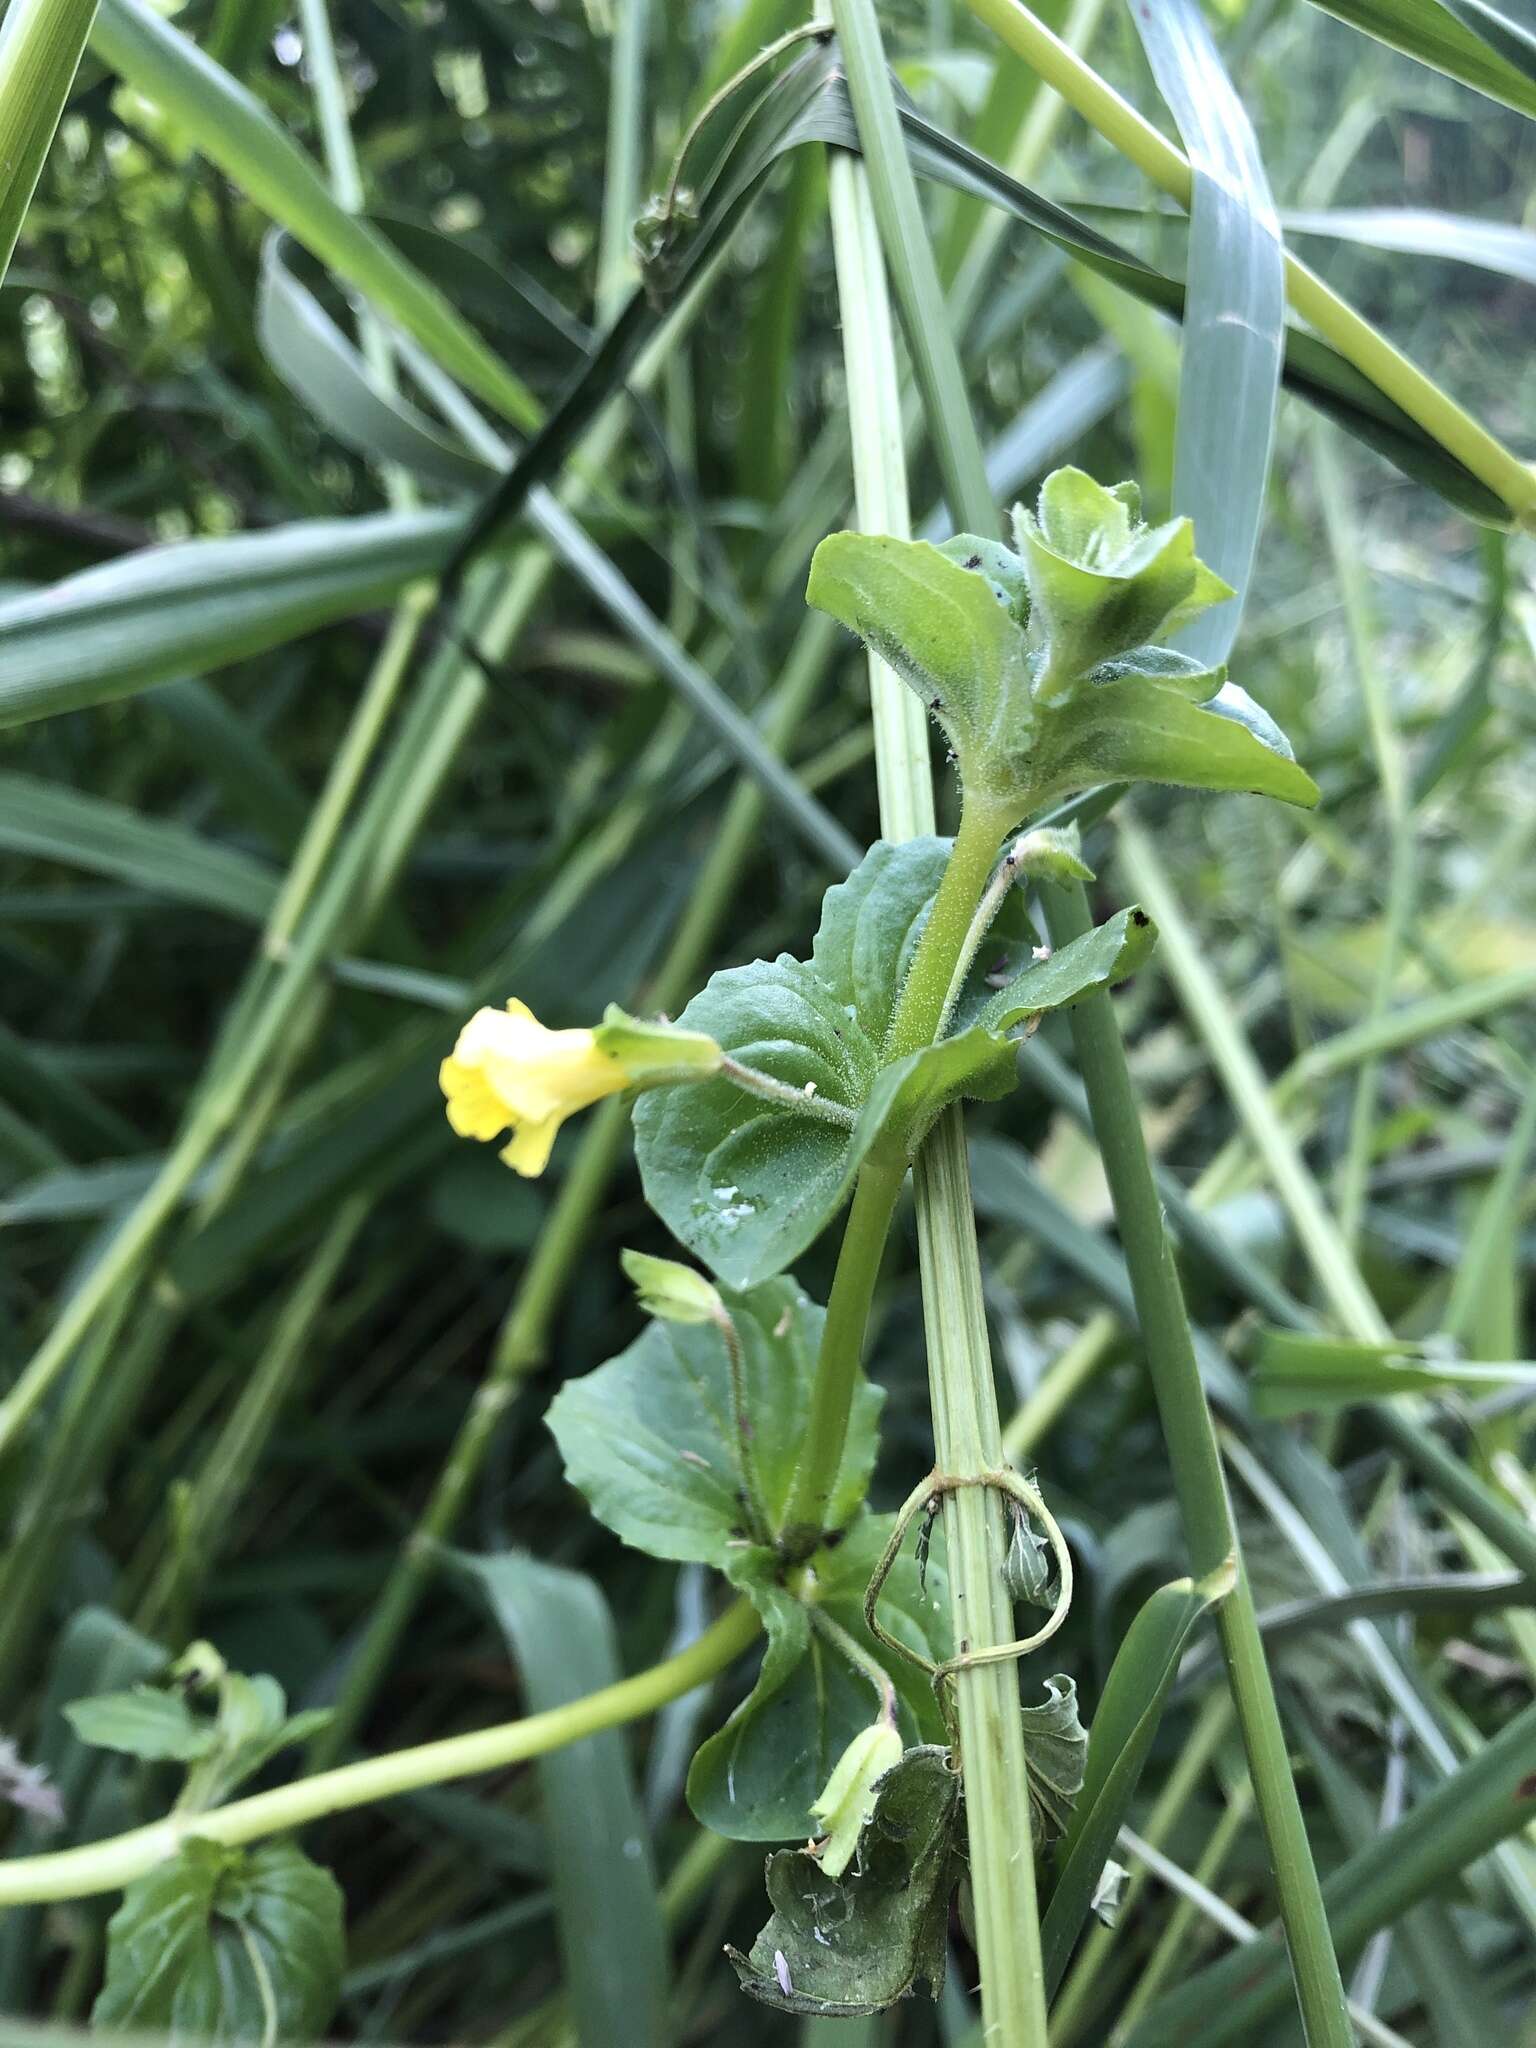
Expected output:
{"points": [[848, 1803], [672, 1292]]}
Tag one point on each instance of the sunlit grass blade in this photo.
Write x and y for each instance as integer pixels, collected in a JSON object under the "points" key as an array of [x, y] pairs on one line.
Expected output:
{"points": [[40, 46], [1419, 231]]}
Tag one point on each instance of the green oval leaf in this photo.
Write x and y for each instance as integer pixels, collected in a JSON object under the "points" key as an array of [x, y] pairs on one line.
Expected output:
{"points": [[649, 1439], [747, 1184], [226, 1945]]}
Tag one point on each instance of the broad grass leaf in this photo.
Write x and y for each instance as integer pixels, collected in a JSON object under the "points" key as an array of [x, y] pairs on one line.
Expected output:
{"points": [[561, 1632], [48, 822], [193, 606]]}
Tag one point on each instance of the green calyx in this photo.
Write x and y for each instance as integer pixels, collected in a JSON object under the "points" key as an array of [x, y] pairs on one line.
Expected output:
{"points": [[1041, 666]]}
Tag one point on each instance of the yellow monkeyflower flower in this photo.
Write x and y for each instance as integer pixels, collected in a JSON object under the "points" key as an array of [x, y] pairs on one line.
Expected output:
{"points": [[509, 1071]]}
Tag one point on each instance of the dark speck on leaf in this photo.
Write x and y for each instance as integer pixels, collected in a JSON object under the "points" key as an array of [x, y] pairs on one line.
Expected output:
{"points": [[1140, 919], [973, 561]]}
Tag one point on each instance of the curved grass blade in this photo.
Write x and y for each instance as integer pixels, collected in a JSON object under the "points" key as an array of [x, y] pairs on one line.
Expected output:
{"points": [[1135, 1692], [309, 352], [1444, 37], [1420, 231], [1234, 312], [192, 606]]}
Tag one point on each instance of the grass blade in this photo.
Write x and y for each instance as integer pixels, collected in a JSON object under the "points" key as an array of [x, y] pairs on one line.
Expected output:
{"points": [[40, 46], [1444, 38], [49, 823], [558, 1625], [195, 605], [1487, 1800], [234, 131], [1234, 312], [1420, 231], [1124, 1723]]}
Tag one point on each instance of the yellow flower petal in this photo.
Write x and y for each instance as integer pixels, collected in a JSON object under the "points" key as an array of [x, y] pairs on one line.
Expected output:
{"points": [[537, 1072], [474, 1108], [530, 1147]]}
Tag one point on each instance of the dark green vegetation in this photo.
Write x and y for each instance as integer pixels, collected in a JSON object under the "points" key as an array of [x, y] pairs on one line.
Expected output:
{"points": [[480, 666]]}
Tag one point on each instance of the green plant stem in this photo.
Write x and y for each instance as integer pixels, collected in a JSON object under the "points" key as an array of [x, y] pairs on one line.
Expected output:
{"points": [[105, 1866], [869, 1668], [1210, 1530], [40, 46], [919, 1010], [909, 256], [1058, 65], [841, 1353], [966, 1431], [623, 158]]}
